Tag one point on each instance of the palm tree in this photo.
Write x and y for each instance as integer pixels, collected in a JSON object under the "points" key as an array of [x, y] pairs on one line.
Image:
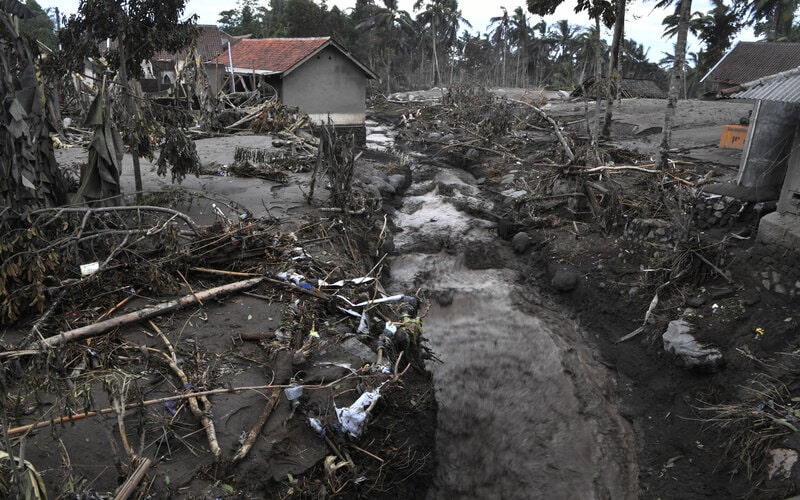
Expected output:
{"points": [[718, 27], [521, 35], [772, 18], [443, 19], [385, 22], [500, 37], [685, 8], [614, 73]]}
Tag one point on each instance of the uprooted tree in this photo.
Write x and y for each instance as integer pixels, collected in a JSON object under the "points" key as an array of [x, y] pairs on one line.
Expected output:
{"points": [[125, 34]]}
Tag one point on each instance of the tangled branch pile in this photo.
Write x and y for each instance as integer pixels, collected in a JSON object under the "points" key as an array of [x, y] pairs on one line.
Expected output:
{"points": [[335, 339]]}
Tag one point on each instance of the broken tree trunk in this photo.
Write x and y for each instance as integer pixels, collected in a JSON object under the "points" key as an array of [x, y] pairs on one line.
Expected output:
{"points": [[146, 313]]}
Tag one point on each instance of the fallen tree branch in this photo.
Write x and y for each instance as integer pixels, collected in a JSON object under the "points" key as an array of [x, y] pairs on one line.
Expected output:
{"points": [[233, 390], [129, 208], [129, 486], [262, 419], [96, 329], [555, 125], [200, 414]]}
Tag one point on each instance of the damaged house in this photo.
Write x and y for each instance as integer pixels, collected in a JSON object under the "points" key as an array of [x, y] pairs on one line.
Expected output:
{"points": [[752, 70], [775, 135], [317, 75]]}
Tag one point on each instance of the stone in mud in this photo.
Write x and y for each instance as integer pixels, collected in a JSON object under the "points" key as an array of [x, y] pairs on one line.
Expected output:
{"points": [[388, 245], [696, 301], [521, 242], [507, 229], [399, 182], [356, 348], [444, 298], [564, 280], [688, 352], [722, 293]]}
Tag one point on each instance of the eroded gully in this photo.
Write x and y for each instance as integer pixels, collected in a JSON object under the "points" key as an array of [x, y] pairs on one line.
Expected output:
{"points": [[525, 411]]}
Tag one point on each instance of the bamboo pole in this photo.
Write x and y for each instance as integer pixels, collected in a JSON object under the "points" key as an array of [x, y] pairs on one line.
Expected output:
{"points": [[96, 329]]}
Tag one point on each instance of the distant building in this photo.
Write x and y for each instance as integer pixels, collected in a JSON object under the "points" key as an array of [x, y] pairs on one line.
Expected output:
{"points": [[317, 75]]}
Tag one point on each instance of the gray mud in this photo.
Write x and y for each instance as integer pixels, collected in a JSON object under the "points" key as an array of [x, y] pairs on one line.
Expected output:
{"points": [[524, 409]]}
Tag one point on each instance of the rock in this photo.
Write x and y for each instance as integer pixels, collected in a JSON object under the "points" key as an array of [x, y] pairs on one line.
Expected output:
{"points": [[356, 348], [298, 359], [688, 351], [507, 229], [388, 245], [750, 298], [521, 242], [444, 298], [781, 462], [398, 182], [721, 293], [695, 301], [564, 280]]}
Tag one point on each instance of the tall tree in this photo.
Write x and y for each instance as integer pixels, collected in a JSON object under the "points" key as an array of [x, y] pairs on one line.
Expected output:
{"points": [[499, 37], [248, 18], [39, 27], [684, 10], [717, 30], [772, 18], [614, 72], [521, 36], [443, 18], [386, 24], [139, 28], [601, 11]]}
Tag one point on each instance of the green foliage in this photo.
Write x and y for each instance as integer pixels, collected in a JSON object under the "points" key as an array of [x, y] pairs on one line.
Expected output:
{"points": [[772, 19], [180, 153], [40, 27], [139, 28]]}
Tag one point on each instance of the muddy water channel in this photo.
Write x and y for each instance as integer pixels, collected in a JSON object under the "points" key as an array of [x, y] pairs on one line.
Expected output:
{"points": [[524, 409]]}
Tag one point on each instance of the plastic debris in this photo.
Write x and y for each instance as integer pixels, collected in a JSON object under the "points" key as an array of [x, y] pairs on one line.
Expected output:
{"points": [[354, 417], [363, 326], [341, 283], [90, 268], [293, 392], [316, 424]]}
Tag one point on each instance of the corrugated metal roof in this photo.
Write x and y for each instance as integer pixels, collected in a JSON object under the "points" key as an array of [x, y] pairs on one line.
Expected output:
{"points": [[782, 87], [748, 61]]}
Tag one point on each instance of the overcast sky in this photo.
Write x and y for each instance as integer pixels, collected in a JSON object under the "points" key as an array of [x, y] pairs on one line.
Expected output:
{"points": [[643, 23]]}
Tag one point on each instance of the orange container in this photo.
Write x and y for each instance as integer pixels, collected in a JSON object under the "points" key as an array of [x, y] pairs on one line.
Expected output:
{"points": [[733, 137]]}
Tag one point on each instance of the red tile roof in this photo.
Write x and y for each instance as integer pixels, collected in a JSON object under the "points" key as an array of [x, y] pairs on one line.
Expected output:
{"points": [[272, 54], [749, 61]]}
